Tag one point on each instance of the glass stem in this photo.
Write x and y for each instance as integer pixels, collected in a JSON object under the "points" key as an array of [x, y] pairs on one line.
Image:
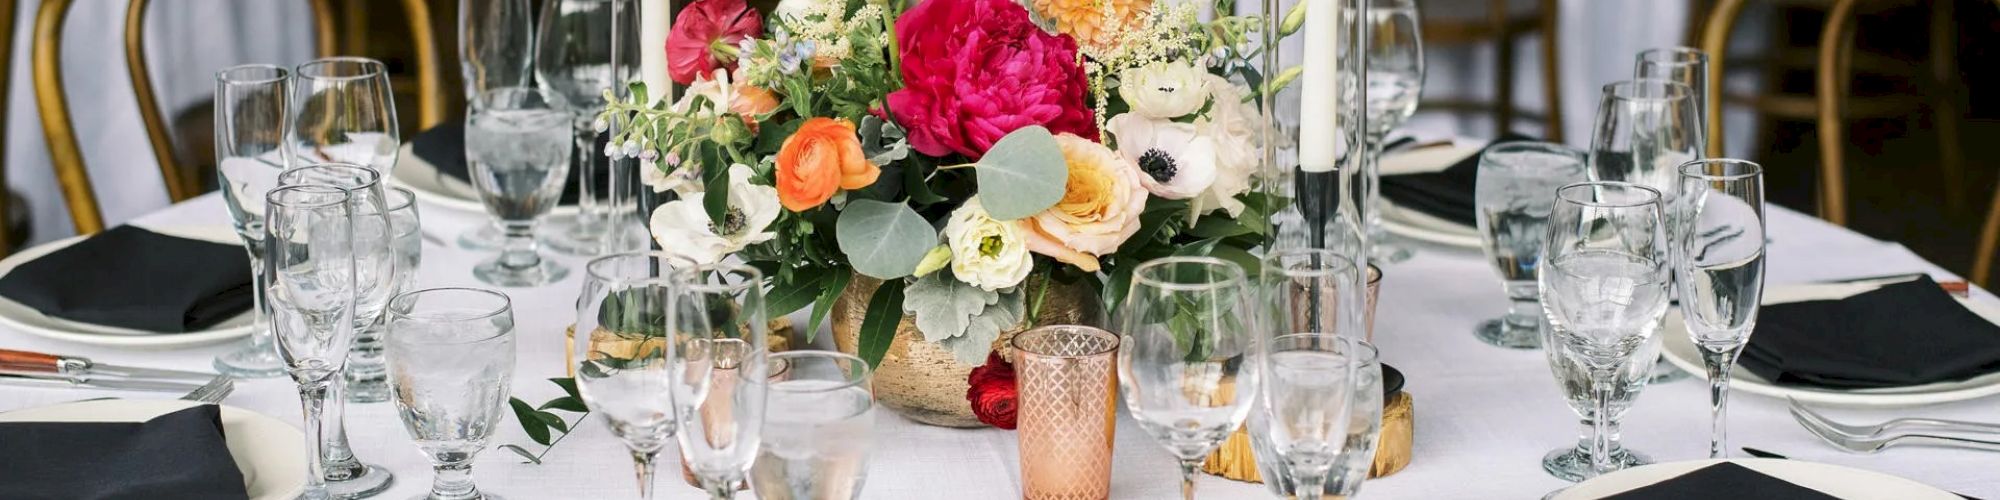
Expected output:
{"points": [[260, 329], [1525, 312], [1370, 192], [453, 481], [1309, 483], [1189, 469], [1718, 364], [624, 204], [340, 462], [520, 250], [313, 397], [1601, 462], [642, 464], [588, 209]]}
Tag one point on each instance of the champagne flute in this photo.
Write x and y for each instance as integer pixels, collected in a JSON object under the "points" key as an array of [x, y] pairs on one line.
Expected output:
{"points": [[518, 142], [577, 59], [1395, 79], [1187, 333], [1515, 182], [495, 44], [623, 359], [1645, 130], [1721, 270], [1683, 65], [1322, 401], [343, 112], [451, 351], [309, 264], [251, 116], [1604, 288], [715, 315]]}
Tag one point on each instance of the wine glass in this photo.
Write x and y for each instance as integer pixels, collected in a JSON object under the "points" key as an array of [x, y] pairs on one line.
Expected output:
{"points": [[1721, 270], [1604, 287], [1683, 65], [367, 380], [818, 428], [518, 142], [375, 282], [309, 264], [1187, 333], [1395, 79], [623, 359], [496, 49], [577, 59], [1515, 182], [715, 316], [251, 114], [1645, 130], [451, 352], [1322, 410], [343, 112]]}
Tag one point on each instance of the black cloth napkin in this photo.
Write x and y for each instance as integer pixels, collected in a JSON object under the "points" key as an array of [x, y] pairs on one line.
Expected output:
{"points": [[443, 147], [1901, 334], [1446, 194], [180, 455], [133, 278], [1723, 481]]}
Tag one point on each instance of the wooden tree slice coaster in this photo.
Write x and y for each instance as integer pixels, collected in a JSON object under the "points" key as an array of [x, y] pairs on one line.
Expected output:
{"points": [[1235, 460]]}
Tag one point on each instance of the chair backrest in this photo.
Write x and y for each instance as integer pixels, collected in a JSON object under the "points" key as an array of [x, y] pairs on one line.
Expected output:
{"points": [[1989, 238], [1836, 52], [1715, 41], [7, 9]]}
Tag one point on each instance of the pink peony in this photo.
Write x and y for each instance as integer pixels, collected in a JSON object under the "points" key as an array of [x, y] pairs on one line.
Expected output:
{"points": [[692, 44], [975, 70]]}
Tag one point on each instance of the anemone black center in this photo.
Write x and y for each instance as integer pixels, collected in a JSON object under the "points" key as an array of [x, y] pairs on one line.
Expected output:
{"points": [[1158, 164]]}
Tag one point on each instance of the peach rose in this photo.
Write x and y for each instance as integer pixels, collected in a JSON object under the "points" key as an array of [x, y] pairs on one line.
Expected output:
{"points": [[1099, 210], [822, 157]]}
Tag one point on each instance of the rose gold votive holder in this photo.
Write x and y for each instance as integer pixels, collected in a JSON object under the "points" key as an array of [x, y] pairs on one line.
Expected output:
{"points": [[1067, 412], [1374, 280]]}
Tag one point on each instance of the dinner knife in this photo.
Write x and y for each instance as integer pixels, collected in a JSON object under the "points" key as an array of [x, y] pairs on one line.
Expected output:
{"points": [[35, 362], [119, 384]]}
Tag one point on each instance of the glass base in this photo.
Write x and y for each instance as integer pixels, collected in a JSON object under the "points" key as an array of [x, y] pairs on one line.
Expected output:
{"points": [[1494, 333], [484, 238], [1391, 252], [480, 496], [547, 271], [1573, 464], [250, 360], [370, 482], [1664, 371], [570, 236]]}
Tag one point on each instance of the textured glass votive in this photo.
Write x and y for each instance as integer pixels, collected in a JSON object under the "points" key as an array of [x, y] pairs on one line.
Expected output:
{"points": [[1374, 288], [1067, 412]]}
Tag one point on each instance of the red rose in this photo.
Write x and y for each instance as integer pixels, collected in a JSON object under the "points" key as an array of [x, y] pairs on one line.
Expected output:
{"points": [[993, 395], [705, 28], [975, 70]]}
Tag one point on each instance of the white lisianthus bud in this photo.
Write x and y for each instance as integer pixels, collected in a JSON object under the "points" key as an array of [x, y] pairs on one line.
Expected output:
{"points": [[600, 125], [986, 253]]}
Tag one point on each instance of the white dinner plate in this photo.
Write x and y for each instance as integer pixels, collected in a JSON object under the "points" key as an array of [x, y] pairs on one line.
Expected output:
{"points": [[1421, 226], [27, 320], [1833, 480], [441, 190], [1682, 352], [270, 453]]}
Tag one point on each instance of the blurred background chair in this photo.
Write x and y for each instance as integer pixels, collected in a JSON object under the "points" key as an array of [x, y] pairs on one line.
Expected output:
{"points": [[1499, 23]]}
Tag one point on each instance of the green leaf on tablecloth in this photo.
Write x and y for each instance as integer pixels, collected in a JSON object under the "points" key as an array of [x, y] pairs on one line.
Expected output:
{"points": [[883, 240], [878, 327], [523, 453], [526, 414], [1022, 174], [1004, 314], [553, 421], [565, 403], [568, 386], [944, 306], [830, 289]]}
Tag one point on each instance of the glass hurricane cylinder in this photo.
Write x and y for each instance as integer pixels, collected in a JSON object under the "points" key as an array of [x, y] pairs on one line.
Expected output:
{"points": [[1316, 116], [1067, 414]]}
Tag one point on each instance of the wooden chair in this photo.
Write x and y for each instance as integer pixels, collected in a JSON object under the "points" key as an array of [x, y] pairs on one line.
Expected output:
{"points": [[7, 9], [1502, 26], [346, 22]]}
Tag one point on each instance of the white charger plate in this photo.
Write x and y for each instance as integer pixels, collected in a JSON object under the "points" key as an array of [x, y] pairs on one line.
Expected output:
{"points": [[270, 453], [1681, 351], [443, 191], [27, 320], [1833, 480]]}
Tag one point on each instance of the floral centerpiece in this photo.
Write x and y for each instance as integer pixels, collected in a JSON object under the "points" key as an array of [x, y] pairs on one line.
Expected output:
{"points": [[952, 150]]}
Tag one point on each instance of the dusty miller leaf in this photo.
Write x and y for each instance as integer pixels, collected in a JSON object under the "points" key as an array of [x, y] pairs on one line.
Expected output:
{"points": [[985, 327], [944, 306]]}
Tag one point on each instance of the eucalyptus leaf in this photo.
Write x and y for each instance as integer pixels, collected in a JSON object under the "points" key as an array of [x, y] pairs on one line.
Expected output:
{"points": [[1022, 174], [985, 328], [873, 131], [944, 306], [883, 240]]}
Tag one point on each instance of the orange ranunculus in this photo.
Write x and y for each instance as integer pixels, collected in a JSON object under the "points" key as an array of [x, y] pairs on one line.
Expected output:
{"points": [[822, 157]]}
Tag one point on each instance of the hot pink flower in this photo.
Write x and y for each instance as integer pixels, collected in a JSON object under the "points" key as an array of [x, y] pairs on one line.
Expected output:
{"points": [[975, 70], [691, 42]]}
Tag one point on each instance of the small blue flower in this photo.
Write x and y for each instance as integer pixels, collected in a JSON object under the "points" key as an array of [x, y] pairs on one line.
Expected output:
{"points": [[789, 59]]}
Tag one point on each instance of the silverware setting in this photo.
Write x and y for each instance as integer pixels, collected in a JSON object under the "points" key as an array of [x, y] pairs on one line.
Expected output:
{"points": [[212, 392], [1902, 431], [64, 381]]}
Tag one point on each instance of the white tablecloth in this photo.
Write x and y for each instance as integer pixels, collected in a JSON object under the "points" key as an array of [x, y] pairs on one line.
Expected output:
{"points": [[1485, 416]]}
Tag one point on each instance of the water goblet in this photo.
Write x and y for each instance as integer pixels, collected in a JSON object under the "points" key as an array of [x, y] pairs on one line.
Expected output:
{"points": [[1720, 270], [451, 354], [518, 142], [715, 318], [1395, 79], [495, 42], [818, 428], [252, 112], [574, 60], [1573, 463], [344, 112], [1187, 335], [309, 263], [1645, 130], [1516, 180], [623, 360]]}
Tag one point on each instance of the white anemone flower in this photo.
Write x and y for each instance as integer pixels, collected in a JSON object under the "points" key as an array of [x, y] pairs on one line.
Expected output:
{"points": [[1177, 162], [684, 229]]}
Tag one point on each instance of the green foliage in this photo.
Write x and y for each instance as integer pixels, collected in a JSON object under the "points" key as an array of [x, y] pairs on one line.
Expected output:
{"points": [[944, 306], [878, 326], [1022, 174], [985, 327], [884, 240], [545, 428]]}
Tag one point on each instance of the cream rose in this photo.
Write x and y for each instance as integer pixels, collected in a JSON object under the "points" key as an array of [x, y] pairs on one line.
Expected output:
{"points": [[1175, 161], [1164, 90], [1099, 210], [684, 229], [986, 253], [1231, 125]]}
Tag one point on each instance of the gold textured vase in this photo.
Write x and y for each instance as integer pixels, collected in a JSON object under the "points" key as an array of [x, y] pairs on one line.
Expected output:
{"points": [[922, 380]]}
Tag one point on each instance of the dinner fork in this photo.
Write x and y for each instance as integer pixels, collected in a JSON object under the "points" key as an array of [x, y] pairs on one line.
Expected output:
{"points": [[1804, 415], [214, 391]]}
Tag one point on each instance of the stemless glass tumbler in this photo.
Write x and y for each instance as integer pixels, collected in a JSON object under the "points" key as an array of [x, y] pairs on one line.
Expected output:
{"points": [[451, 353], [1067, 413]]}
